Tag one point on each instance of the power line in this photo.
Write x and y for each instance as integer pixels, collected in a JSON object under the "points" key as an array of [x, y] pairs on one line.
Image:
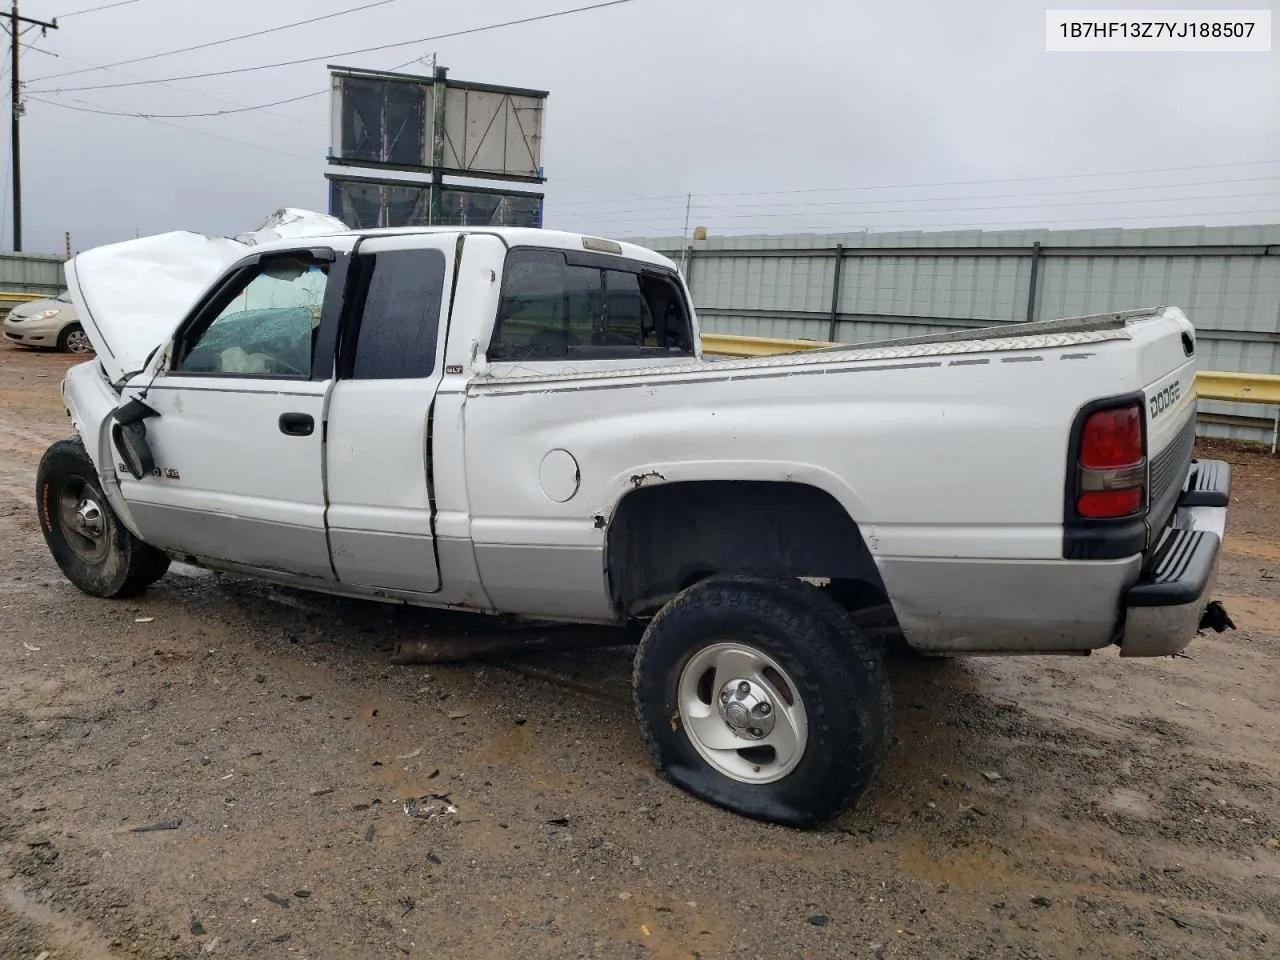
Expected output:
{"points": [[757, 218], [168, 116], [217, 43], [945, 183], [32, 46], [766, 209], [672, 216], [178, 126], [591, 186], [105, 6], [4, 71], [217, 136], [1043, 224], [172, 86], [345, 53]]}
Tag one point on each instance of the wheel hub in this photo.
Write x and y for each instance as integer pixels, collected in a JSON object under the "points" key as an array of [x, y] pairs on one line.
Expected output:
{"points": [[747, 709], [752, 728], [89, 520], [84, 520]]}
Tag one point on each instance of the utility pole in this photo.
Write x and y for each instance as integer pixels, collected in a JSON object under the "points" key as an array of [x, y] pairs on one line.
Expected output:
{"points": [[439, 90], [15, 144], [684, 237]]}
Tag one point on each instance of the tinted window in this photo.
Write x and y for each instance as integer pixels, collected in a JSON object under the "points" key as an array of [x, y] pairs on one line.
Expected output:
{"points": [[268, 327], [400, 323], [555, 307]]}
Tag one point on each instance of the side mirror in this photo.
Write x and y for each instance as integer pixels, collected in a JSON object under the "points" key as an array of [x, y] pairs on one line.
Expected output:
{"points": [[129, 437]]}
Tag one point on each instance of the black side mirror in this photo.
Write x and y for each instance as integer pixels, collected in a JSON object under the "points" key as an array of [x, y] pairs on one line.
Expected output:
{"points": [[131, 443], [129, 436]]}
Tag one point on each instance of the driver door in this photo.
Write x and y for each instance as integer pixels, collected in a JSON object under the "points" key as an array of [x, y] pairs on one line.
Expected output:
{"points": [[237, 442]]}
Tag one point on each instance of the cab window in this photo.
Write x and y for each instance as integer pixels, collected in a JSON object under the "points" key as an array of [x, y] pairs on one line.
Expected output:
{"points": [[267, 325], [559, 305], [399, 318]]}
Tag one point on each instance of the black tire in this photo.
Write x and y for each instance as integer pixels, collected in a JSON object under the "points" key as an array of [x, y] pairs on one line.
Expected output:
{"points": [[112, 563], [70, 339], [837, 673]]}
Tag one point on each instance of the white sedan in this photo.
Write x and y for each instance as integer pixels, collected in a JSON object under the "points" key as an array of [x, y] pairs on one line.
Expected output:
{"points": [[47, 323]]}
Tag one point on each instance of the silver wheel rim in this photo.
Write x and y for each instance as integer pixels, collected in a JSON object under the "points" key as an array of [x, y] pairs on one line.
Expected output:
{"points": [[84, 522], [78, 342], [742, 712]]}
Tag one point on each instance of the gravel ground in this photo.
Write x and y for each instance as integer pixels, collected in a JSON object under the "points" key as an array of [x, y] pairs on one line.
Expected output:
{"points": [[220, 768]]}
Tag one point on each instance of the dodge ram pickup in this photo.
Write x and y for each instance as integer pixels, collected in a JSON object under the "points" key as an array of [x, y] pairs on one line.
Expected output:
{"points": [[522, 422]]}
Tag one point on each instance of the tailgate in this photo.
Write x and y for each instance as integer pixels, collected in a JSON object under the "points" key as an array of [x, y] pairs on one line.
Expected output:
{"points": [[1167, 365]]}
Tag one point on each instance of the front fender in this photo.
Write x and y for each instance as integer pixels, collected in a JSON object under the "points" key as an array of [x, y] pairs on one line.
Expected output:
{"points": [[90, 402]]}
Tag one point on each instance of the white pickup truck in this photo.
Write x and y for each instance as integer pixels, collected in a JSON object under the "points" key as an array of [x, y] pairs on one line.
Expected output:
{"points": [[522, 421]]}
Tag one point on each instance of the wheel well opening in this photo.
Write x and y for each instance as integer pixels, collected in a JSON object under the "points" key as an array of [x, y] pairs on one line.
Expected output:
{"points": [[665, 538]]}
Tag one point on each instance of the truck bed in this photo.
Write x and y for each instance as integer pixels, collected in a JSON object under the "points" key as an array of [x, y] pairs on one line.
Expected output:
{"points": [[1018, 329], [1040, 335]]}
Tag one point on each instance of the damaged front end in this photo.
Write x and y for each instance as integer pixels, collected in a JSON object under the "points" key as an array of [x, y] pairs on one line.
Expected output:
{"points": [[132, 295]]}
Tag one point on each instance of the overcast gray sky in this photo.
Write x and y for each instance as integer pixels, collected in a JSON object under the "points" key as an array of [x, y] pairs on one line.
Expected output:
{"points": [[875, 109]]}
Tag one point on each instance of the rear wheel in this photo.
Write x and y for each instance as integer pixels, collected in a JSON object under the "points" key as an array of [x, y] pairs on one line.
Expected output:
{"points": [[94, 550], [763, 697], [73, 339]]}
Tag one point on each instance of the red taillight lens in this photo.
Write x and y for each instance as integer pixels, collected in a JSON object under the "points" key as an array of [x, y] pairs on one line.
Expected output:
{"points": [[1110, 503], [1112, 480], [1112, 438]]}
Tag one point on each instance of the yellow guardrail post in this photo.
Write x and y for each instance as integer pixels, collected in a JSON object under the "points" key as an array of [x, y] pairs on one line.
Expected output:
{"points": [[1242, 388]]}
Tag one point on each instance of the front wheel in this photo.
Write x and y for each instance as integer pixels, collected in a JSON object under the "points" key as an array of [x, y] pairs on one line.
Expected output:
{"points": [[94, 550], [762, 696]]}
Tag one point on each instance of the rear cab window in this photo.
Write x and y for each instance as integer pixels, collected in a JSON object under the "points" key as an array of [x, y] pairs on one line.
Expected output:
{"points": [[570, 305], [393, 330]]}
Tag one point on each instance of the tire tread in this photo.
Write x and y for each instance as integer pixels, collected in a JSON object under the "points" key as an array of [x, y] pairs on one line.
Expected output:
{"points": [[791, 606], [142, 563]]}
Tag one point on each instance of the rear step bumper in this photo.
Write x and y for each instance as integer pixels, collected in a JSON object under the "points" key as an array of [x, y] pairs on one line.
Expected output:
{"points": [[1165, 608]]}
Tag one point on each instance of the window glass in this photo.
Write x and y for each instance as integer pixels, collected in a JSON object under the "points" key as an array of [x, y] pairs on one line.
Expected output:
{"points": [[400, 322], [64, 297], [269, 327], [552, 309]]}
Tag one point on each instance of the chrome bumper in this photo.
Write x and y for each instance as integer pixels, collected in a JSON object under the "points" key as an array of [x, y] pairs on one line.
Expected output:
{"points": [[1163, 610]]}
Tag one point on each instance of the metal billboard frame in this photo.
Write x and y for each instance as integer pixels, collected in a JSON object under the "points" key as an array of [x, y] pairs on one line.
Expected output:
{"points": [[504, 100], [429, 191]]}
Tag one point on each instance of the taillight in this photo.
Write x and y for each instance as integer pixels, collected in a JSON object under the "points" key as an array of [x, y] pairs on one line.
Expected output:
{"points": [[1112, 439], [1112, 464]]}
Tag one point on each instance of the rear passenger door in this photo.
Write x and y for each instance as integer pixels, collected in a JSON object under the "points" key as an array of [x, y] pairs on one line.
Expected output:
{"points": [[378, 451]]}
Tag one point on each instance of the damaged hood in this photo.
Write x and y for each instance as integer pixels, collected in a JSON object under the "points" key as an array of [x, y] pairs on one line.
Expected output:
{"points": [[130, 296]]}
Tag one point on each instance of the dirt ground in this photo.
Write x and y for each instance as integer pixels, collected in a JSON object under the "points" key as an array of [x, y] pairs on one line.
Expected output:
{"points": [[1136, 813]]}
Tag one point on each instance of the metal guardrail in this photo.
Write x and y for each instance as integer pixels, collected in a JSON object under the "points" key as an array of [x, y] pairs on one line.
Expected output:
{"points": [[730, 345], [1238, 387], [1210, 384]]}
